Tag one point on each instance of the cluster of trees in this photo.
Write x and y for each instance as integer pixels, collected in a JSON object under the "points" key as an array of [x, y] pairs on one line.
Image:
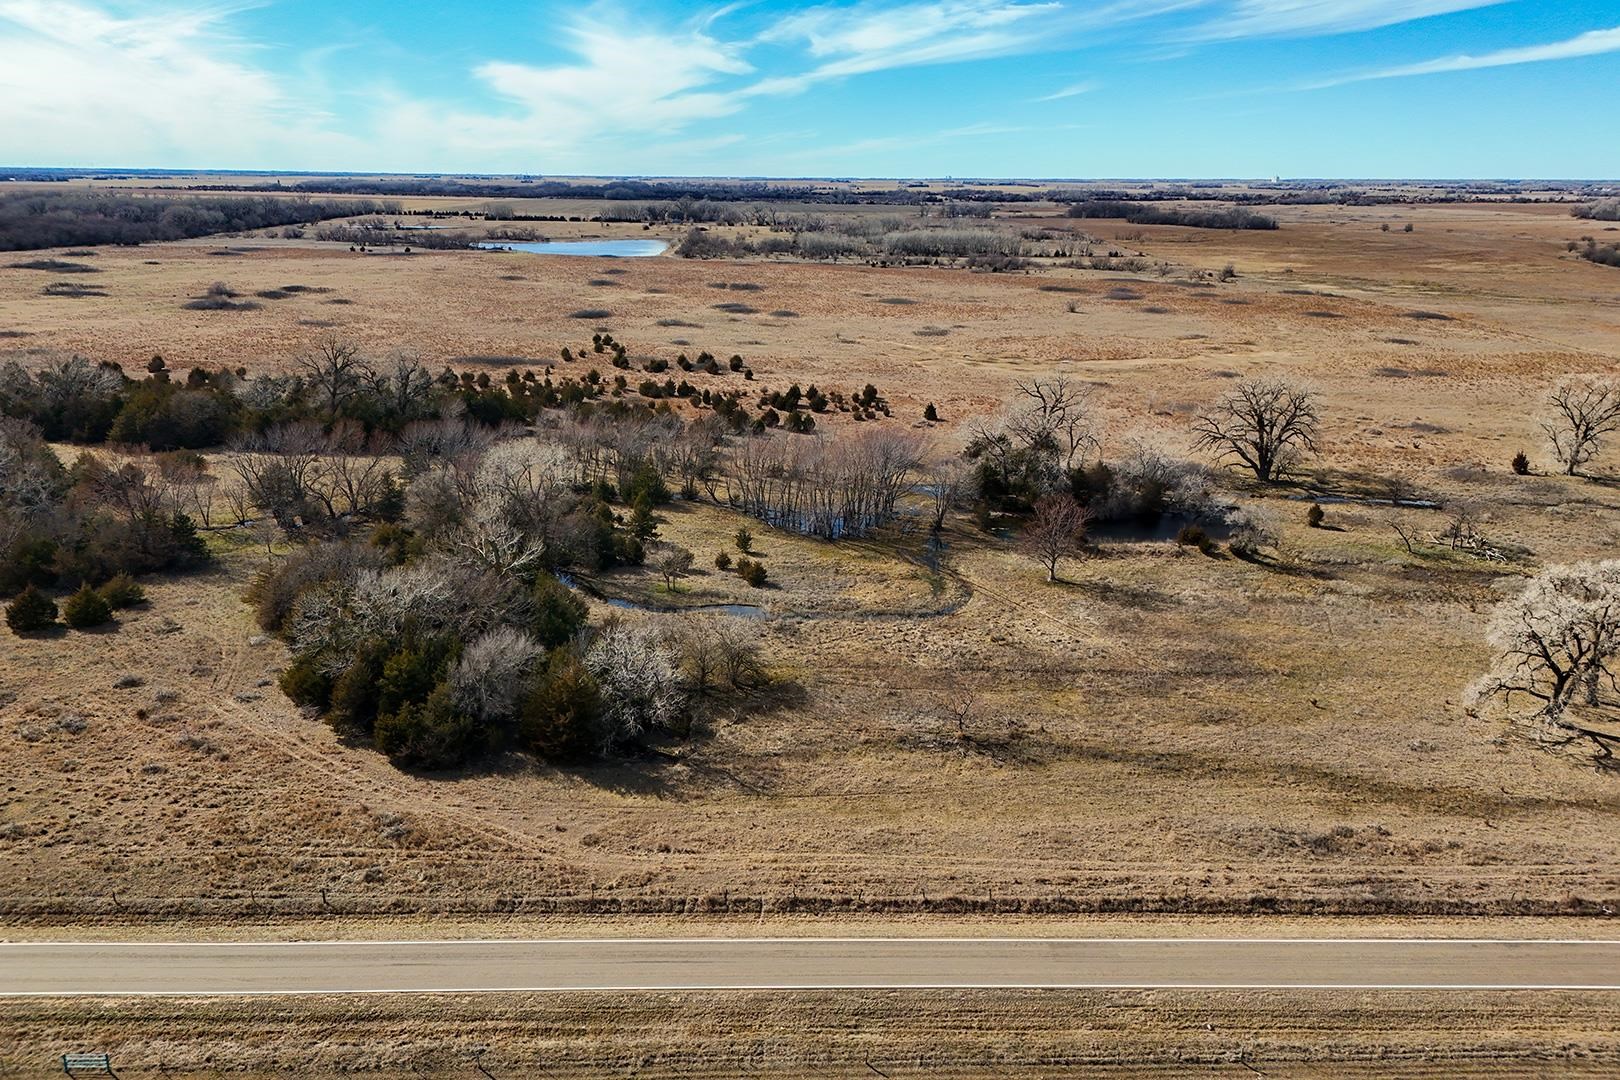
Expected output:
{"points": [[74, 400], [1041, 460], [986, 248], [824, 487], [43, 219], [1602, 210], [448, 634], [101, 520], [373, 233], [1142, 213], [1602, 254]]}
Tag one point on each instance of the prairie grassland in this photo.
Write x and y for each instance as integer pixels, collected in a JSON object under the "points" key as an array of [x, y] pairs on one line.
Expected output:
{"points": [[978, 1034], [1161, 731]]}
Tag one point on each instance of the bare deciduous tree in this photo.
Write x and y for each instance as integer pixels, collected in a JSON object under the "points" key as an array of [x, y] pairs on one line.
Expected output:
{"points": [[1058, 409], [642, 687], [1055, 532], [1556, 645], [672, 562], [334, 371], [947, 480], [489, 677], [1265, 424], [1581, 413]]}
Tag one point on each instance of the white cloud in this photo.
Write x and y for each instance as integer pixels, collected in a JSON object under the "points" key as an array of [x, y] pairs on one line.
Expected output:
{"points": [[80, 85], [1592, 43], [1280, 18], [1072, 90]]}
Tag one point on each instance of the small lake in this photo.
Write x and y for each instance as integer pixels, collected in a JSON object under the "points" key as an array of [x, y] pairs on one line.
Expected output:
{"points": [[612, 249]]}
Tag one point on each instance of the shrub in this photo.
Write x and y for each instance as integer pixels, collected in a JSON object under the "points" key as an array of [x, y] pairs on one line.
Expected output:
{"points": [[1521, 463], [745, 539], [32, 610], [431, 734], [722, 561], [561, 716], [559, 615], [752, 572], [930, 413], [1195, 536], [306, 684], [86, 608], [1314, 516], [31, 561], [122, 591]]}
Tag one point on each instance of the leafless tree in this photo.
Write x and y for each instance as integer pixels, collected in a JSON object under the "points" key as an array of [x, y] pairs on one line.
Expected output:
{"points": [[190, 484], [947, 480], [278, 470], [1556, 645], [642, 687], [489, 677], [1056, 409], [1581, 412], [1405, 528], [333, 372], [404, 387], [672, 562], [1265, 424], [1056, 532], [353, 472]]}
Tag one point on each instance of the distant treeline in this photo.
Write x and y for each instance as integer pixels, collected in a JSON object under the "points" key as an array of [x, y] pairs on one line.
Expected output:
{"points": [[717, 191], [1607, 210], [35, 219], [1149, 214]]}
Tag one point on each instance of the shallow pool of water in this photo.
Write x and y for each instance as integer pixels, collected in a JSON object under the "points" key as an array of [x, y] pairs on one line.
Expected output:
{"points": [[612, 249], [741, 611]]}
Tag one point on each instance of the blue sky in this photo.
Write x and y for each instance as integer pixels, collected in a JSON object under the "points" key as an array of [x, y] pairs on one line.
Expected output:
{"points": [[1022, 88]]}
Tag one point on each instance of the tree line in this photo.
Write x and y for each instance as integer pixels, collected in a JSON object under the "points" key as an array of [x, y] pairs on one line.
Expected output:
{"points": [[43, 219]]}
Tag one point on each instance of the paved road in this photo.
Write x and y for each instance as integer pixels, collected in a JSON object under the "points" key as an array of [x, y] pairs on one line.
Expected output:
{"points": [[173, 968]]}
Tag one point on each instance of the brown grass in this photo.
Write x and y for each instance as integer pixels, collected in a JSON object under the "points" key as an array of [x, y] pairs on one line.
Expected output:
{"points": [[930, 1034], [1161, 731]]}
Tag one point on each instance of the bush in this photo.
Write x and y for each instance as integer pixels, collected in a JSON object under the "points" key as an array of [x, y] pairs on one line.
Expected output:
{"points": [[122, 591], [1195, 536], [722, 561], [306, 684], [752, 572], [559, 615], [562, 713], [431, 734], [745, 539], [31, 561], [86, 608], [930, 413], [1314, 516], [32, 610], [1521, 463]]}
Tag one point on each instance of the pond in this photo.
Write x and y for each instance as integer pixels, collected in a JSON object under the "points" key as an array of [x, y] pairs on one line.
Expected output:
{"points": [[612, 249], [741, 611]]}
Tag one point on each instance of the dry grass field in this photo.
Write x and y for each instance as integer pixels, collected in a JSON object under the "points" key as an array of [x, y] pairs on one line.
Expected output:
{"points": [[953, 1035], [1161, 731]]}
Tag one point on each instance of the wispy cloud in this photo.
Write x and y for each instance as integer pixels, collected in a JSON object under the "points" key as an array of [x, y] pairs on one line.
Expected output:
{"points": [[1072, 90], [79, 82], [1299, 18], [1592, 43], [860, 39]]}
